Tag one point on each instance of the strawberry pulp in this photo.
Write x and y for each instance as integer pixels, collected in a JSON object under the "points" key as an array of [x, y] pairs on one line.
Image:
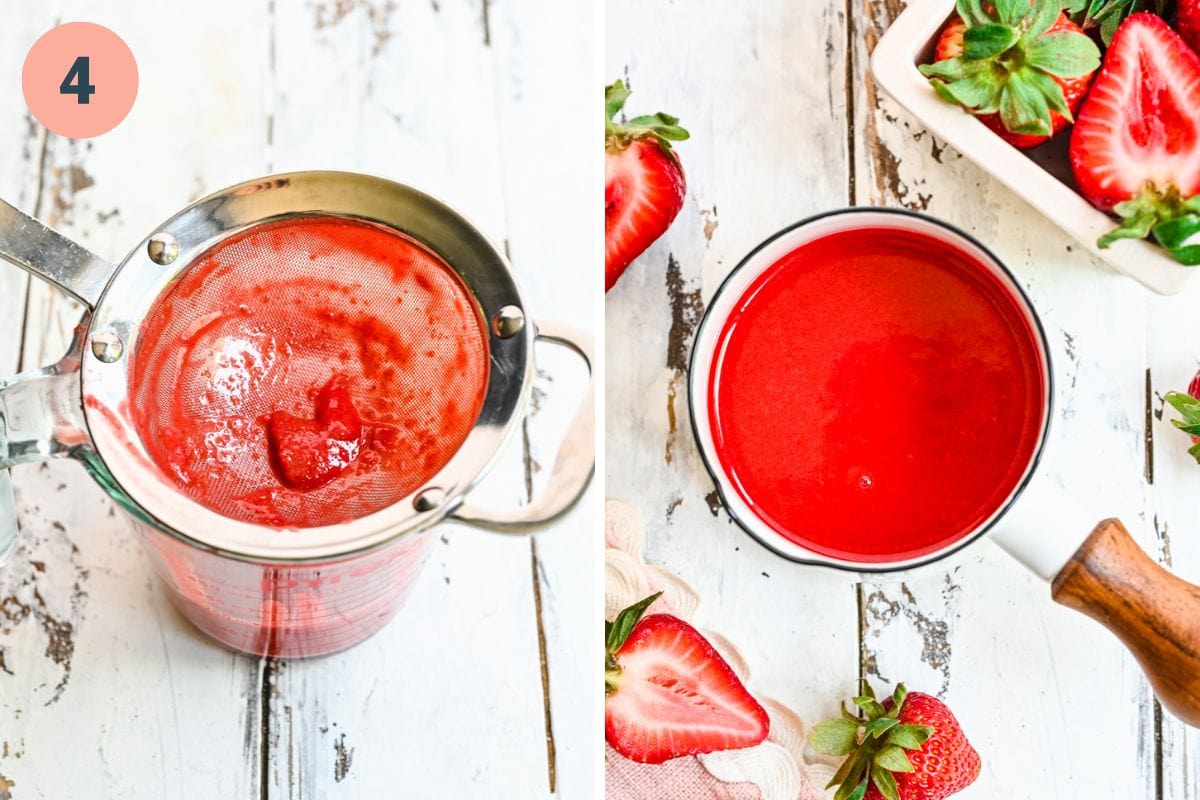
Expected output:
{"points": [[876, 395], [308, 372]]}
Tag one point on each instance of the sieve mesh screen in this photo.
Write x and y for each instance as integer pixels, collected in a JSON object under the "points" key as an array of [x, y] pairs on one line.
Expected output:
{"points": [[308, 372]]}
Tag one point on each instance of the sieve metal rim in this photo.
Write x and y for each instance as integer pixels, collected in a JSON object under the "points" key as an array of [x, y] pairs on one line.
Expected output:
{"points": [[140, 279]]}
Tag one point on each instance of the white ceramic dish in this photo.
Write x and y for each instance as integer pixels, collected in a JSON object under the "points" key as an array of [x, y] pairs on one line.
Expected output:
{"points": [[1042, 177]]}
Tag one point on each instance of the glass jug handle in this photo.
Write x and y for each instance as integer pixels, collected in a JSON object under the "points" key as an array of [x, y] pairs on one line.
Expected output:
{"points": [[40, 415]]}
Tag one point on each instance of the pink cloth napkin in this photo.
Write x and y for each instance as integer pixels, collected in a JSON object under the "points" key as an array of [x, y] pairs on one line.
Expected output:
{"points": [[677, 779]]}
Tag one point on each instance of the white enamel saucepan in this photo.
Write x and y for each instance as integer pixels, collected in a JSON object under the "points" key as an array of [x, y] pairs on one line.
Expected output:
{"points": [[1092, 565]]}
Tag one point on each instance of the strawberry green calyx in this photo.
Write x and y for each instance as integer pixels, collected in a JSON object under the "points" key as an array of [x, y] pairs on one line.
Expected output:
{"points": [[1107, 15], [617, 135], [1170, 218], [874, 745], [1014, 52], [1189, 407], [617, 631]]}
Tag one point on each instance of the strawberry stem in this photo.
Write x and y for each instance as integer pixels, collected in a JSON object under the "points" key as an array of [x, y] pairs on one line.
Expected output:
{"points": [[875, 746], [617, 631], [1166, 216], [662, 127]]}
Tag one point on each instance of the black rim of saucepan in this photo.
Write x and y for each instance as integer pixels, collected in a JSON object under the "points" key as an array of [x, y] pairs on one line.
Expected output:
{"points": [[965, 541]]}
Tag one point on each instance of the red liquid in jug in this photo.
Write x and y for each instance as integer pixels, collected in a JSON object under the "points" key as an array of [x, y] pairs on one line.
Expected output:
{"points": [[876, 395]]}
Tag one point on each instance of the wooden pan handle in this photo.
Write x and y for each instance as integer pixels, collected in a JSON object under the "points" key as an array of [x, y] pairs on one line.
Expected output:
{"points": [[1155, 614]]}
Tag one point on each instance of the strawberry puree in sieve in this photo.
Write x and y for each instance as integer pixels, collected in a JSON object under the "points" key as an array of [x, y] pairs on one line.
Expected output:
{"points": [[876, 395], [308, 372]]}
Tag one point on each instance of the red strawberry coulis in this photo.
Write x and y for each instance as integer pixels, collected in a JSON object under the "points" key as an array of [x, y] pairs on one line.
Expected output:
{"points": [[308, 372], [876, 395]]}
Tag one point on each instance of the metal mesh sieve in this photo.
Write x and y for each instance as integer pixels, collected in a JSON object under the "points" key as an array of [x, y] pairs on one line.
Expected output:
{"points": [[236, 363]]}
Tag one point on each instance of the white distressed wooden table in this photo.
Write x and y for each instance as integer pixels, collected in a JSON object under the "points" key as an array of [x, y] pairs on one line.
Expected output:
{"points": [[785, 122], [476, 689]]}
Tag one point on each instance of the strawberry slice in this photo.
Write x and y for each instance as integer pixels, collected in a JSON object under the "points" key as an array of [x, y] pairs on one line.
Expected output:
{"points": [[668, 692], [1021, 66], [1135, 149], [309, 453], [644, 184]]}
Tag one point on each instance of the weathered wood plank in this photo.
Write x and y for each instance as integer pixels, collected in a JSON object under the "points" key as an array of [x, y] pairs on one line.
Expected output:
{"points": [[447, 701], [763, 93], [1174, 343], [1022, 674], [547, 83], [97, 662]]}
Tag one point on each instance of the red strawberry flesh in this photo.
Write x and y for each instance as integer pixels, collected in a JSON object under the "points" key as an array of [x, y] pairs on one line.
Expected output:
{"points": [[309, 453], [675, 696]]}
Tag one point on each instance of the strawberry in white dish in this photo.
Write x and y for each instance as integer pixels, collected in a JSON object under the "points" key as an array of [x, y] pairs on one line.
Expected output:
{"points": [[644, 183], [1022, 67], [668, 692], [1135, 149]]}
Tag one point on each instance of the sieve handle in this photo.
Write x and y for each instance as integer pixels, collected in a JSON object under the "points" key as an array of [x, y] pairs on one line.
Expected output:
{"points": [[573, 466], [40, 418], [54, 258]]}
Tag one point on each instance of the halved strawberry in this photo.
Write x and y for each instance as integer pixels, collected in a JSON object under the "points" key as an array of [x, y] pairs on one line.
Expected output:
{"points": [[668, 692], [1135, 150], [644, 184], [1021, 66]]}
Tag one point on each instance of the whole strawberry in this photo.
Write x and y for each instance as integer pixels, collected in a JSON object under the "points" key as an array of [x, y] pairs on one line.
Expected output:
{"points": [[909, 747], [1135, 150], [668, 692], [1021, 66], [1188, 405], [644, 184]]}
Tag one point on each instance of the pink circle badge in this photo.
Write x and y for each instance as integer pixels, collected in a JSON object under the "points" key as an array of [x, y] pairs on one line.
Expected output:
{"points": [[80, 80]]}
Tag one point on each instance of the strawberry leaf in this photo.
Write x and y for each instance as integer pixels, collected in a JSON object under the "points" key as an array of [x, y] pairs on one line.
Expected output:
{"points": [[870, 707], [909, 737], [988, 41], [973, 11], [1051, 91], [1066, 54], [949, 69], [618, 631], [884, 782], [614, 99], [878, 727], [849, 791], [898, 697], [893, 759], [841, 778], [1194, 452], [1186, 405], [1045, 13], [1174, 232], [1023, 106], [834, 737], [664, 126], [1011, 11]]}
